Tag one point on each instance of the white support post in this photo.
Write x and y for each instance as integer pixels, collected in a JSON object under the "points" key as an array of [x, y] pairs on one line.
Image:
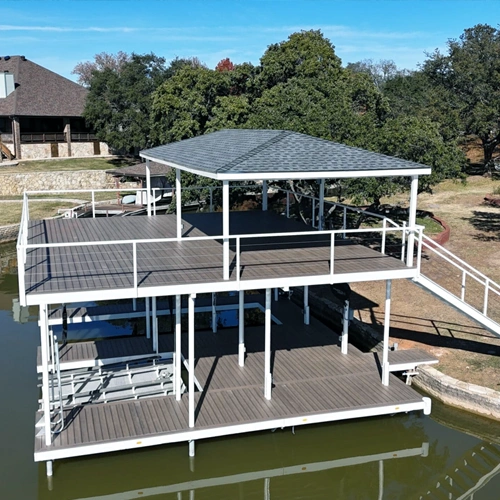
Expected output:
{"points": [[50, 471], [264, 196], [148, 318], [268, 381], [387, 320], [155, 326], [345, 329], [380, 480], [44, 347], [178, 346], [178, 203], [306, 305], [191, 452], [214, 312], [412, 220], [225, 227], [241, 329], [134, 304], [191, 301], [148, 187], [321, 211]]}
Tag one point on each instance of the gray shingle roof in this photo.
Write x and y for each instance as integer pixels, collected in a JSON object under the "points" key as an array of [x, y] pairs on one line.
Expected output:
{"points": [[40, 92], [238, 153], [139, 170]]}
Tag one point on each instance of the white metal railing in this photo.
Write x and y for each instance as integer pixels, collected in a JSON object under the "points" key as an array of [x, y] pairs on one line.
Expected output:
{"points": [[466, 272], [133, 246], [346, 208]]}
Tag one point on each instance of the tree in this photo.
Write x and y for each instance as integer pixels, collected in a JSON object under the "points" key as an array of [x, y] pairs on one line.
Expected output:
{"points": [[102, 61], [307, 54], [119, 102], [224, 65], [183, 105], [413, 139], [380, 72], [470, 71]]}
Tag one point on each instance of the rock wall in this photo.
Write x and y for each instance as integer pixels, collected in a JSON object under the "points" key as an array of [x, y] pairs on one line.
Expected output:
{"points": [[9, 233], [16, 184]]}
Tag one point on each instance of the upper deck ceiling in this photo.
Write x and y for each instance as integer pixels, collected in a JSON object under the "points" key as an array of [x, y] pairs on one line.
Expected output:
{"points": [[242, 154]]}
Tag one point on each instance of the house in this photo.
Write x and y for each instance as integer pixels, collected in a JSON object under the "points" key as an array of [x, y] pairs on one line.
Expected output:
{"points": [[41, 114]]}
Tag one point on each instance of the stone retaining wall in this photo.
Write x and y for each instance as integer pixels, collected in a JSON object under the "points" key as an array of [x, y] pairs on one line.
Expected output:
{"points": [[16, 184], [9, 233], [453, 392]]}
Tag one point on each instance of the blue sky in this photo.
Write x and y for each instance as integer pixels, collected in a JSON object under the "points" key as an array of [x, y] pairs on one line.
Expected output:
{"points": [[60, 33]]}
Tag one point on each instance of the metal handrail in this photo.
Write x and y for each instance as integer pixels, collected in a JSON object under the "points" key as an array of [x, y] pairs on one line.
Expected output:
{"points": [[466, 270], [237, 238]]}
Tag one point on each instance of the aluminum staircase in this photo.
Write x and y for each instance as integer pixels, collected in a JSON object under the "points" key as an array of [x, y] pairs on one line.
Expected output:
{"points": [[467, 475], [460, 285]]}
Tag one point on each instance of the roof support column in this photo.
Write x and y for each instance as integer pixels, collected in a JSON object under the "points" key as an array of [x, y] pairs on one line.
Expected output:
{"points": [[268, 378], [214, 312], [225, 227], [412, 220], [387, 321], [191, 300], [241, 329], [16, 137], [155, 326], [178, 202], [148, 318], [44, 347], [345, 329], [264, 196], [178, 347], [148, 187], [306, 305], [321, 211]]}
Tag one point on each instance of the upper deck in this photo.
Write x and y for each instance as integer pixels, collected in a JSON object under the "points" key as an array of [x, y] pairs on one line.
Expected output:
{"points": [[69, 260]]}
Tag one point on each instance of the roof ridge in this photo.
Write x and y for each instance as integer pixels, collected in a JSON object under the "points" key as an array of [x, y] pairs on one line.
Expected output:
{"points": [[281, 135]]}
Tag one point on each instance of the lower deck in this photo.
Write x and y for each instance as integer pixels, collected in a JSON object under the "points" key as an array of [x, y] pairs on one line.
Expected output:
{"points": [[312, 382]]}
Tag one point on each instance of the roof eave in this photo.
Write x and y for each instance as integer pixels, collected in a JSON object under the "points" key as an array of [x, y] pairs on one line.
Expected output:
{"points": [[333, 174]]}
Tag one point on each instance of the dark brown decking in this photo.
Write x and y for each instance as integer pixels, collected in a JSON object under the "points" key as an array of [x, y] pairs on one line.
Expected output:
{"points": [[311, 377], [70, 269]]}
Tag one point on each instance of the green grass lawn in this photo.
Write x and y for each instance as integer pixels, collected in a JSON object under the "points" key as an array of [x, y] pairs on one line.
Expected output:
{"points": [[67, 165], [10, 213]]}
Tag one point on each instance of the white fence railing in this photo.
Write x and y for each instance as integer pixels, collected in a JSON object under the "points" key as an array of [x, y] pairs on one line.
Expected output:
{"points": [[465, 282], [129, 250]]}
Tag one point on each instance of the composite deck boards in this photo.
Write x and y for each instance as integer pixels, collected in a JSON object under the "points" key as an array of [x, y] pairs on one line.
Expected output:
{"points": [[311, 377], [73, 269]]}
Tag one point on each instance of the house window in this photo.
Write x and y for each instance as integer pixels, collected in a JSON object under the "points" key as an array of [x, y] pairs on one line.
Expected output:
{"points": [[35, 124]]}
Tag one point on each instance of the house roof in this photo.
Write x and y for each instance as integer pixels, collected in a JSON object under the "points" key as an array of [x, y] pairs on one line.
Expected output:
{"points": [[139, 170], [39, 91], [246, 154]]}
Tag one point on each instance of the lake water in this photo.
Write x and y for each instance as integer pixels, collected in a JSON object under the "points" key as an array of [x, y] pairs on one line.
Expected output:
{"points": [[400, 457]]}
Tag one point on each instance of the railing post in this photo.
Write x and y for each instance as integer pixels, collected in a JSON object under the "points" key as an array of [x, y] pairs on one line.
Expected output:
{"points": [[419, 251], [287, 204], [332, 255], [344, 223], [486, 290], [403, 242], [462, 295], [384, 228], [313, 217], [93, 204], [154, 200], [238, 259], [134, 264], [211, 199]]}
